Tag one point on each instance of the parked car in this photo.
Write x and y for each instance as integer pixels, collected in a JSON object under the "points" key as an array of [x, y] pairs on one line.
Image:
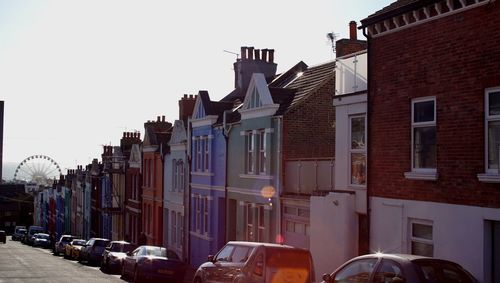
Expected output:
{"points": [[379, 267], [113, 256], [72, 250], [92, 251], [32, 230], [153, 263], [41, 240], [19, 233], [60, 246], [3, 236], [251, 262]]}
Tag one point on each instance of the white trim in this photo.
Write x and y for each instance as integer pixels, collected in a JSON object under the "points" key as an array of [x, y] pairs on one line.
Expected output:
{"points": [[245, 191], [488, 178], [178, 147], [426, 176], [150, 148], [488, 119], [269, 130], [206, 121], [263, 111], [201, 236], [256, 176], [133, 209], [414, 125], [202, 173], [341, 100], [207, 187], [418, 22]]}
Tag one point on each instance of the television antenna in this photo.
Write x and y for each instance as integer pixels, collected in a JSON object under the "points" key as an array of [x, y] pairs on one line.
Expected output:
{"points": [[234, 53], [332, 37]]}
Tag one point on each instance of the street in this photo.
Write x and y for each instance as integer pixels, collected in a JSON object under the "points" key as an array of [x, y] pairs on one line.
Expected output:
{"points": [[22, 263]]}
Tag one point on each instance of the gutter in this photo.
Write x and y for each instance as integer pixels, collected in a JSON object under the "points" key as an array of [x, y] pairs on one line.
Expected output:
{"points": [[368, 43]]}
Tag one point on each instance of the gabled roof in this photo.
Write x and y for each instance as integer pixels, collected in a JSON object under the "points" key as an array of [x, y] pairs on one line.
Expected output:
{"points": [[310, 80]]}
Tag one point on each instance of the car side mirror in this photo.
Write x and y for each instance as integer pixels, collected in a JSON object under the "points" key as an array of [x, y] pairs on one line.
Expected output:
{"points": [[327, 277], [211, 258]]}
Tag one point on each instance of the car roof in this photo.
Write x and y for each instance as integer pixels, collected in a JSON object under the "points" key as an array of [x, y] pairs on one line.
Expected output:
{"points": [[258, 244], [400, 257], [119, 242]]}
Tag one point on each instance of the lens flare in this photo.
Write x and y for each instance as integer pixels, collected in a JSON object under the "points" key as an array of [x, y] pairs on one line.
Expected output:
{"points": [[268, 191]]}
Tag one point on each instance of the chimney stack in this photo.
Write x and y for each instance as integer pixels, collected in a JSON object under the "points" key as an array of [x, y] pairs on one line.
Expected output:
{"points": [[353, 30], [253, 61], [186, 106]]}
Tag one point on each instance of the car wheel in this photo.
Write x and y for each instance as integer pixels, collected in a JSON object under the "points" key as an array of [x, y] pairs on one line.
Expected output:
{"points": [[198, 280]]}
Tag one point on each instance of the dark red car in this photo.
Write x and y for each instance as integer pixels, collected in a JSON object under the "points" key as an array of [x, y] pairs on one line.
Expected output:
{"points": [[378, 268]]}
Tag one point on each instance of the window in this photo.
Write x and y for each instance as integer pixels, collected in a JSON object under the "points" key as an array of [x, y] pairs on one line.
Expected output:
{"points": [[198, 154], [205, 215], [249, 222], [206, 153], [250, 153], [197, 200], [175, 173], [424, 134], [388, 271], [180, 228], [261, 237], [358, 271], [357, 153], [493, 131], [262, 152], [180, 178], [173, 219], [421, 238]]}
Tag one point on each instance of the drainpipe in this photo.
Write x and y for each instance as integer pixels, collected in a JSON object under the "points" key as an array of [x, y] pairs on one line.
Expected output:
{"points": [[187, 208], [278, 180], [368, 41]]}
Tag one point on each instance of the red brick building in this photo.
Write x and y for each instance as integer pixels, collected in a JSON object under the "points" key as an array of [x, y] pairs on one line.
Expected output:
{"points": [[434, 131], [155, 145]]}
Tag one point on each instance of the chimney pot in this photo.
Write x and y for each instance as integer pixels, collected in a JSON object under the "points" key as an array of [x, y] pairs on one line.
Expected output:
{"points": [[353, 32], [257, 54], [163, 118], [243, 53], [185, 95], [264, 54], [250, 53], [271, 56], [157, 118]]}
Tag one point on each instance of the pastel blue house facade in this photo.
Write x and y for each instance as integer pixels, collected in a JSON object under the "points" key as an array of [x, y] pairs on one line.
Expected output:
{"points": [[208, 159], [176, 192]]}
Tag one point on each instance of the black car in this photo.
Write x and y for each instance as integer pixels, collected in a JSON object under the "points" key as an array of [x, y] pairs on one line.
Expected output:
{"points": [[19, 233], [380, 267], [92, 251]]}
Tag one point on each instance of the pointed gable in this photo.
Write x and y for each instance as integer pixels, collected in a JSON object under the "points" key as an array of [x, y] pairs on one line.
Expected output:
{"points": [[203, 114], [258, 101], [179, 137], [135, 156]]}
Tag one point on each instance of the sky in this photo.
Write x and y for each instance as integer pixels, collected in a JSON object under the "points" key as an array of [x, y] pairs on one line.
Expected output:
{"points": [[75, 75]]}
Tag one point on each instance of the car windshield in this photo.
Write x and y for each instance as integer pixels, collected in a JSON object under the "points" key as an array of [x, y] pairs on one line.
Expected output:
{"points": [[101, 243], [43, 236], [21, 231], [156, 251], [121, 247], [442, 271], [66, 239], [78, 242]]}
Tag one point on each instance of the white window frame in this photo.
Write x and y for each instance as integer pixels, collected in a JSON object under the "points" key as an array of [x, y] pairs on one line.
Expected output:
{"points": [[199, 155], [197, 207], [249, 233], [206, 220], [262, 149], [206, 154], [180, 178], [174, 175], [173, 219], [490, 118], [180, 228], [250, 152], [357, 151], [421, 173], [261, 223], [417, 239]]}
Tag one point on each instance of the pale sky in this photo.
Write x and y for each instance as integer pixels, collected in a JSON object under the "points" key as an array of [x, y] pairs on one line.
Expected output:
{"points": [[74, 75]]}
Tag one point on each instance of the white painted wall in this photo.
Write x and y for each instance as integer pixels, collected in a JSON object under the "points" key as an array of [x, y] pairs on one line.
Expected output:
{"points": [[334, 231], [458, 230]]}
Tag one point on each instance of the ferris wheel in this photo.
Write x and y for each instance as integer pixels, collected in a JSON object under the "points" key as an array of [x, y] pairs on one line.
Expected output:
{"points": [[38, 169]]}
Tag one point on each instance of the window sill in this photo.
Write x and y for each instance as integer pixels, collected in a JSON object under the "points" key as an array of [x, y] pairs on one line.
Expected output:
{"points": [[424, 176], [255, 176], [202, 173], [488, 178], [201, 236]]}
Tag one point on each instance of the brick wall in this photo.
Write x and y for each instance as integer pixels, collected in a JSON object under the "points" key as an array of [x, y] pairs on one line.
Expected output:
{"points": [[307, 129], [454, 59]]}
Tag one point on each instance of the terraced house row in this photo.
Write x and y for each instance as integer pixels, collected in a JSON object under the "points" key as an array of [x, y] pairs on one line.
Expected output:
{"points": [[392, 147]]}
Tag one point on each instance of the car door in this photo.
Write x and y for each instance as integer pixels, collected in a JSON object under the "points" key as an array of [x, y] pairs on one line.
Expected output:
{"points": [[130, 260], [228, 263]]}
